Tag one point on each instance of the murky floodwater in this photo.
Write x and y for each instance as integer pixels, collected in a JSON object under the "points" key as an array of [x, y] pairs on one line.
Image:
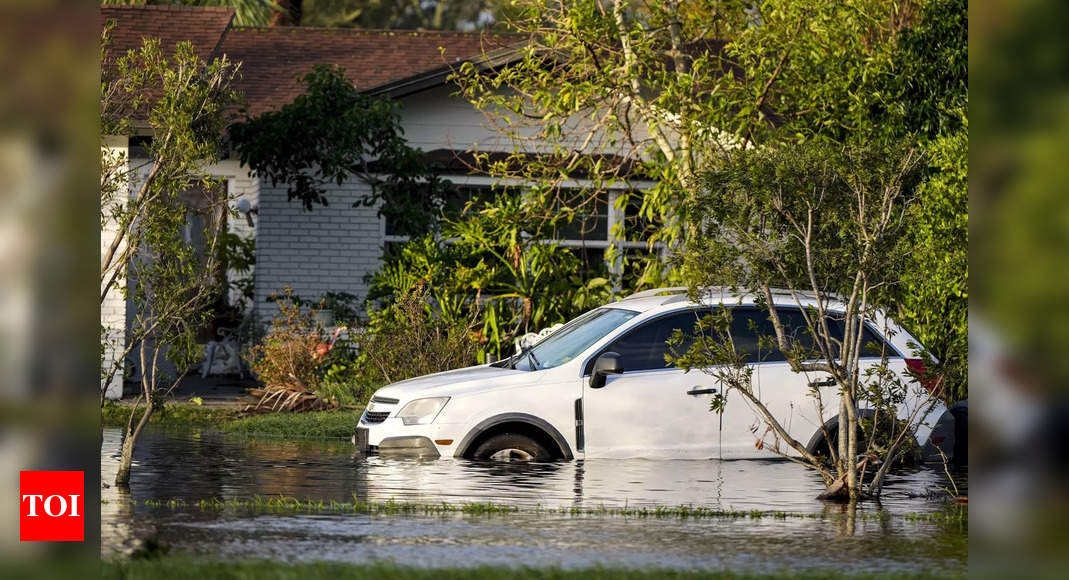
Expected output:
{"points": [[195, 465]]}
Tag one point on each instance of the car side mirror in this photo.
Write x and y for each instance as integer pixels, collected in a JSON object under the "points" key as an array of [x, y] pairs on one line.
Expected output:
{"points": [[609, 363]]}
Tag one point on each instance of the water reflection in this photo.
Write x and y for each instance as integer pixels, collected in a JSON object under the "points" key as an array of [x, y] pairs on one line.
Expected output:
{"points": [[196, 465], [200, 465]]}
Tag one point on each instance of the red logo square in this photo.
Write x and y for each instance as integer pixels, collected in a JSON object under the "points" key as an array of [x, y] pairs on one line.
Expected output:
{"points": [[51, 506]]}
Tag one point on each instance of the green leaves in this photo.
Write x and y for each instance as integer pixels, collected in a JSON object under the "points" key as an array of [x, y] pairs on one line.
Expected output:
{"points": [[499, 268]]}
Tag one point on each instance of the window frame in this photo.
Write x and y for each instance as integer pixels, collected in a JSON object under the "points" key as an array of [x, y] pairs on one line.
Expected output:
{"points": [[588, 364], [616, 216]]}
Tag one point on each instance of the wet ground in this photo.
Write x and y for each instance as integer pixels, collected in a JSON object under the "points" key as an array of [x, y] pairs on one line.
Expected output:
{"points": [[190, 466]]}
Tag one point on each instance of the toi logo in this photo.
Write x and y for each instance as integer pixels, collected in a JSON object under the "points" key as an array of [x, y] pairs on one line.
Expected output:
{"points": [[51, 506]]}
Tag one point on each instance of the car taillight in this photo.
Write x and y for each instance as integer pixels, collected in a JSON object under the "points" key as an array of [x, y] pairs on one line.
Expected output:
{"points": [[933, 384]]}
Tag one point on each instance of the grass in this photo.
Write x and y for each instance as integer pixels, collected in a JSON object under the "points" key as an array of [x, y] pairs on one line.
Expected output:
{"points": [[320, 424], [952, 514], [116, 415], [180, 567], [325, 424]]}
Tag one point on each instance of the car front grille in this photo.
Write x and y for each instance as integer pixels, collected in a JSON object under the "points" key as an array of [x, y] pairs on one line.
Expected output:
{"points": [[375, 416]]}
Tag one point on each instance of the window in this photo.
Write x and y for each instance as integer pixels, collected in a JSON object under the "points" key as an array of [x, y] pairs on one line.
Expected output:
{"points": [[590, 223], [645, 347], [872, 346], [748, 326], [574, 338], [612, 217]]}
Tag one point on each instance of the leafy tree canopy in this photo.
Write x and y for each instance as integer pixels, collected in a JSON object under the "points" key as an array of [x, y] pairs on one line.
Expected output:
{"points": [[333, 133]]}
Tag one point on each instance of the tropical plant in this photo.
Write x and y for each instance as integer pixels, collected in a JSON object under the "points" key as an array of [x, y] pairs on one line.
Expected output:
{"points": [[499, 266]]}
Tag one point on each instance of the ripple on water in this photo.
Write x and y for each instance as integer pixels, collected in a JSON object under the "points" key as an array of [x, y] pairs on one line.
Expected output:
{"points": [[195, 465]]}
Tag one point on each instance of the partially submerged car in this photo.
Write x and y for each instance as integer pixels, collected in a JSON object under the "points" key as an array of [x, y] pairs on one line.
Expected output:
{"points": [[600, 387]]}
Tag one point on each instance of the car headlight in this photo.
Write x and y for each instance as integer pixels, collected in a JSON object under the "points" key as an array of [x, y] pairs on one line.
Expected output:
{"points": [[422, 411]]}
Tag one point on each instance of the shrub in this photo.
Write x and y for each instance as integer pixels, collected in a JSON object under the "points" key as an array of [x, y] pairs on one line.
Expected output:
{"points": [[406, 339], [298, 368], [287, 356]]}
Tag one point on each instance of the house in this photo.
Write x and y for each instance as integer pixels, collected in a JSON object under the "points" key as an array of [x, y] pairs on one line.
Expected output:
{"points": [[330, 248]]}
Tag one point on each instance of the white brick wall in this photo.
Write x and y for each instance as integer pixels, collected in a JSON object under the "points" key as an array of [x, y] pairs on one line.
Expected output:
{"points": [[329, 248], [113, 308]]}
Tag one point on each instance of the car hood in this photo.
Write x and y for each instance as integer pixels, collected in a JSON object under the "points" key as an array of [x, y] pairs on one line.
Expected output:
{"points": [[456, 382]]}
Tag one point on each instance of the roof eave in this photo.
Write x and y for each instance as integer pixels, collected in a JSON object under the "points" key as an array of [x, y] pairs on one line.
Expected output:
{"points": [[487, 61]]}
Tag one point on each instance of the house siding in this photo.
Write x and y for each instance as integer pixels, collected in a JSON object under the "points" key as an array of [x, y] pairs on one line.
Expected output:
{"points": [[331, 248]]}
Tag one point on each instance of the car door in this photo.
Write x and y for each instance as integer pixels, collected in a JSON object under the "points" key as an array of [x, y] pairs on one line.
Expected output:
{"points": [[786, 394], [802, 402], [652, 409]]}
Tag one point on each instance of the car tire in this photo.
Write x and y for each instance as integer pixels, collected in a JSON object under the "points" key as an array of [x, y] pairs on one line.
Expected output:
{"points": [[511, 447]]}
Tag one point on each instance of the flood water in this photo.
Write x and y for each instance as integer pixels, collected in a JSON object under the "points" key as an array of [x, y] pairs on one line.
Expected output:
{"points": [[198, 465]]}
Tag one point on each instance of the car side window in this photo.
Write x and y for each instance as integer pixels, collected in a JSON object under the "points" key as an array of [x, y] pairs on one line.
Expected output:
{"points": [[795, 326], [872, 346], [645, 347], [748, 326]]}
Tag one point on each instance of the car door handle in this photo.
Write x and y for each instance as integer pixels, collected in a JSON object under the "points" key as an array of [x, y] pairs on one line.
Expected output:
{"points": [[828, 382], [700, 391]]}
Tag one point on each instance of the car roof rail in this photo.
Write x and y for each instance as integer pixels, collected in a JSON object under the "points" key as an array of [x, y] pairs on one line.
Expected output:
{"points": [[657, 292]]}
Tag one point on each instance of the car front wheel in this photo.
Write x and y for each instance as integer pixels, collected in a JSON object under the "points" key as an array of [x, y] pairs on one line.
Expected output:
{"points": [[511, 447]]}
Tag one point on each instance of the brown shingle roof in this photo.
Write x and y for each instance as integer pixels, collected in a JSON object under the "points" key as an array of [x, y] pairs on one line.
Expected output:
{"points": [[203, 26], [273, 59]]}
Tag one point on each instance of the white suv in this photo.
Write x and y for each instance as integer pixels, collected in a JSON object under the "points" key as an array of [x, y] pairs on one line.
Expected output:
{"points": [[561, 399]]}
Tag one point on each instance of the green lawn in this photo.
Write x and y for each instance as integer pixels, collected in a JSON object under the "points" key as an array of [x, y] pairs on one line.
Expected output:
{"points": [[325, 424]]}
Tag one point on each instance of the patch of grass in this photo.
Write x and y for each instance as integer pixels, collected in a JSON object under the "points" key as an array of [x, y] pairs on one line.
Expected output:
{"points": [[320, 424], [326, 424], [116, 415], [180, 567], [958, 516]]}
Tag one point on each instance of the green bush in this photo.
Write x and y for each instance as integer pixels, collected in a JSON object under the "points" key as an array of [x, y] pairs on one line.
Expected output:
{"points": [[500, 273], [407, 339], [294, 354]]}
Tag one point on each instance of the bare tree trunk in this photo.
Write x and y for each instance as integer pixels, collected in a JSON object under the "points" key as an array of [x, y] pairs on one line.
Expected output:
{"points": [[130, 435], [843, 437], [851, 452], [126, 458]]}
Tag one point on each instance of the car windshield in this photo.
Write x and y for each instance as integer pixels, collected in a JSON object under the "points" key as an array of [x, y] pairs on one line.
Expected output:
{"points": [[572, 339]]}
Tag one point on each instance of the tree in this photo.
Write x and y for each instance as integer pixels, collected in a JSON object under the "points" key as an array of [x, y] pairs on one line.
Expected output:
{"points": [[824, 221], [333, 133], [926, 99], [934, 296], [170, 282], [604, 91]]}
